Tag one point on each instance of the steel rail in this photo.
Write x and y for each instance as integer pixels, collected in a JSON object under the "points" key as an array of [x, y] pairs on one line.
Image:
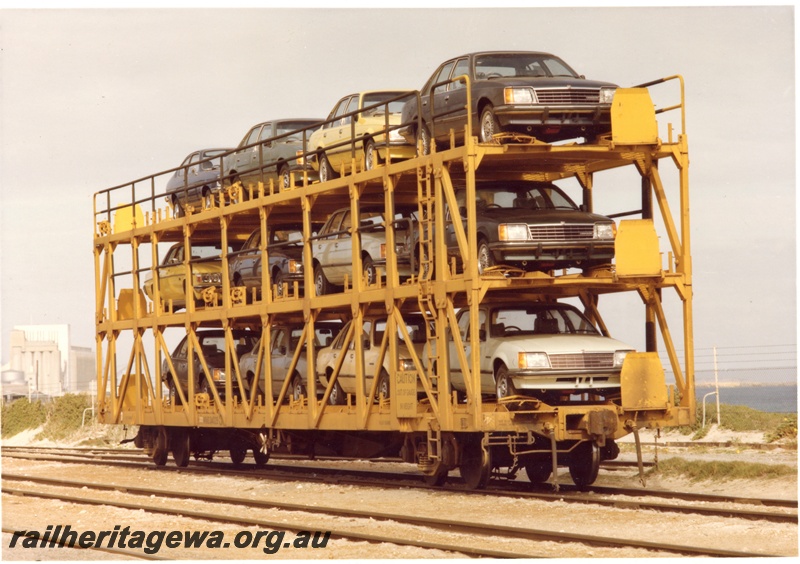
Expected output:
{"points": [[116, 551], [382, 479], [449, 525]]}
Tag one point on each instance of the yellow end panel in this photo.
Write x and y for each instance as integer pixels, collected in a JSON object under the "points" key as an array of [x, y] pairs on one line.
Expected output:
{"points": [[128, 218], [636, 248], [633, 117], [125, 304], [643, 383]]}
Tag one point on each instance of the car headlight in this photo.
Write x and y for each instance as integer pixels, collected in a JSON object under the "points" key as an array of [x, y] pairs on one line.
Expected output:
{"points": [[406, 364], [300, 159], [214, 278], [295, 267], [394, 135], [604, 231], [513, 232], [519, 95], [219, 375], [607, 95], [619, 358], [533, 360]]}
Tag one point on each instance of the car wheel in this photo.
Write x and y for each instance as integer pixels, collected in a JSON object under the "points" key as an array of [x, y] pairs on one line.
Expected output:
{"points": [[298, 389], [321, 284], [485, 257], [503, 383], [489, 125], [326, 171], [383, 386], [174, 398], [178, 208], [427, 142], [371, 157], [370, 272], [286, 178], [278, 278], [337, 396]]}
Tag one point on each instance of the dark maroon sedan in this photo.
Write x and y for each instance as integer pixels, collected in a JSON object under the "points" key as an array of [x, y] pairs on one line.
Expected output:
{"points": [[526, 92]]}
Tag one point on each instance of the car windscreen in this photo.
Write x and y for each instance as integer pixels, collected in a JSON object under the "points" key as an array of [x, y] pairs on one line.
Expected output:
{"points": [[290, 126], [376, 98], [539, 320], [207, 251], [504, 65], [544, 197]]}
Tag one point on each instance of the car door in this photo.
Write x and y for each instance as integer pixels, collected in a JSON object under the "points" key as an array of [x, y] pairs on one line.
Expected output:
{"points": [[267, 157], [456, 373], [339, 132], [326, 248], [172, 274], [245, 161], [347, 375], [181, 365], [281, 358], [438, 100], [455, 101], [249, 261]]}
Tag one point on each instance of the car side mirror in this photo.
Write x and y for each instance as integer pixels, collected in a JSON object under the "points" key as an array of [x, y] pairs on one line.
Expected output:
{"points": [[583, 208], [365, 341], [282, 350], [462, 210], [482, 334]]}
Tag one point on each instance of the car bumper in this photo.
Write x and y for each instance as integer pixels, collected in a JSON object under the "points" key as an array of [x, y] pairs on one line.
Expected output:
{"points": [[559, 380], [559, 251], [524, 115]]}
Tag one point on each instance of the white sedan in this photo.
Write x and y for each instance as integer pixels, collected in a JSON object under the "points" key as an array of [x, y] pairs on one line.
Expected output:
{"points": [[539, 349]]}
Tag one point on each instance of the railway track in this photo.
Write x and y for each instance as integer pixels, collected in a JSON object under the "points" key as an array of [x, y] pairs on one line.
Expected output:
{"points": [[446, 527], [623, 498]]}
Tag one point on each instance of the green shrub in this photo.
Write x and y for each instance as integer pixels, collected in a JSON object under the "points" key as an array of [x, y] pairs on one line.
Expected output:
{"points": [[21, 415], [786, 430], [64, 416], [741, 418]]}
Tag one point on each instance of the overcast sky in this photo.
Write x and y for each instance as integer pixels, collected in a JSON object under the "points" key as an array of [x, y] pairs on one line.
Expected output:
{"points": [[91, 99]]}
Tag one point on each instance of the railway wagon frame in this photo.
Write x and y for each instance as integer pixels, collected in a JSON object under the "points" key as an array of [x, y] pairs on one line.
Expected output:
{"points": [[423, 420]]}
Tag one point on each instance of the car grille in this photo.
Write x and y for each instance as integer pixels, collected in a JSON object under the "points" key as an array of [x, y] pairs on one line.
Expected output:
{"points": [[577, 361], [563, 96], [561, 232]]}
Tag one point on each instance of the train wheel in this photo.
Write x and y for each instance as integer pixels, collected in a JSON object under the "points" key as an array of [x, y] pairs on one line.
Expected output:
{"points": [[584, 464], [180, 447], [160, 448], [538, 470], [261, 458], [476, 465], [237, 454]]}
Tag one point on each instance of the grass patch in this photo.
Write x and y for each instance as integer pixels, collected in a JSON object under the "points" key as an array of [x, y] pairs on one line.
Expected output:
{"points": [[698, 470], [21, 415], [741, 418]]}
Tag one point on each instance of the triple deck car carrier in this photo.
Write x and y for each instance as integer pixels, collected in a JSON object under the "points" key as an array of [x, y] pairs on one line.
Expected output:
{"points": [[423, 420]]}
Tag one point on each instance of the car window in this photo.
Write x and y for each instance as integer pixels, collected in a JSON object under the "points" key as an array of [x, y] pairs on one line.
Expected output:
{"points": [[462, 67], [539, 320], [186, 162], [557, 67], [498, 65], [341, 109], [266, 132], [366, 329], [344, 228], [253, 241], [332, 226], [252, 137], [352, 106], [182, 350], [339, 340], [195, 158], [278, 342], [443, 75], [207, 251], [463, 324]]}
